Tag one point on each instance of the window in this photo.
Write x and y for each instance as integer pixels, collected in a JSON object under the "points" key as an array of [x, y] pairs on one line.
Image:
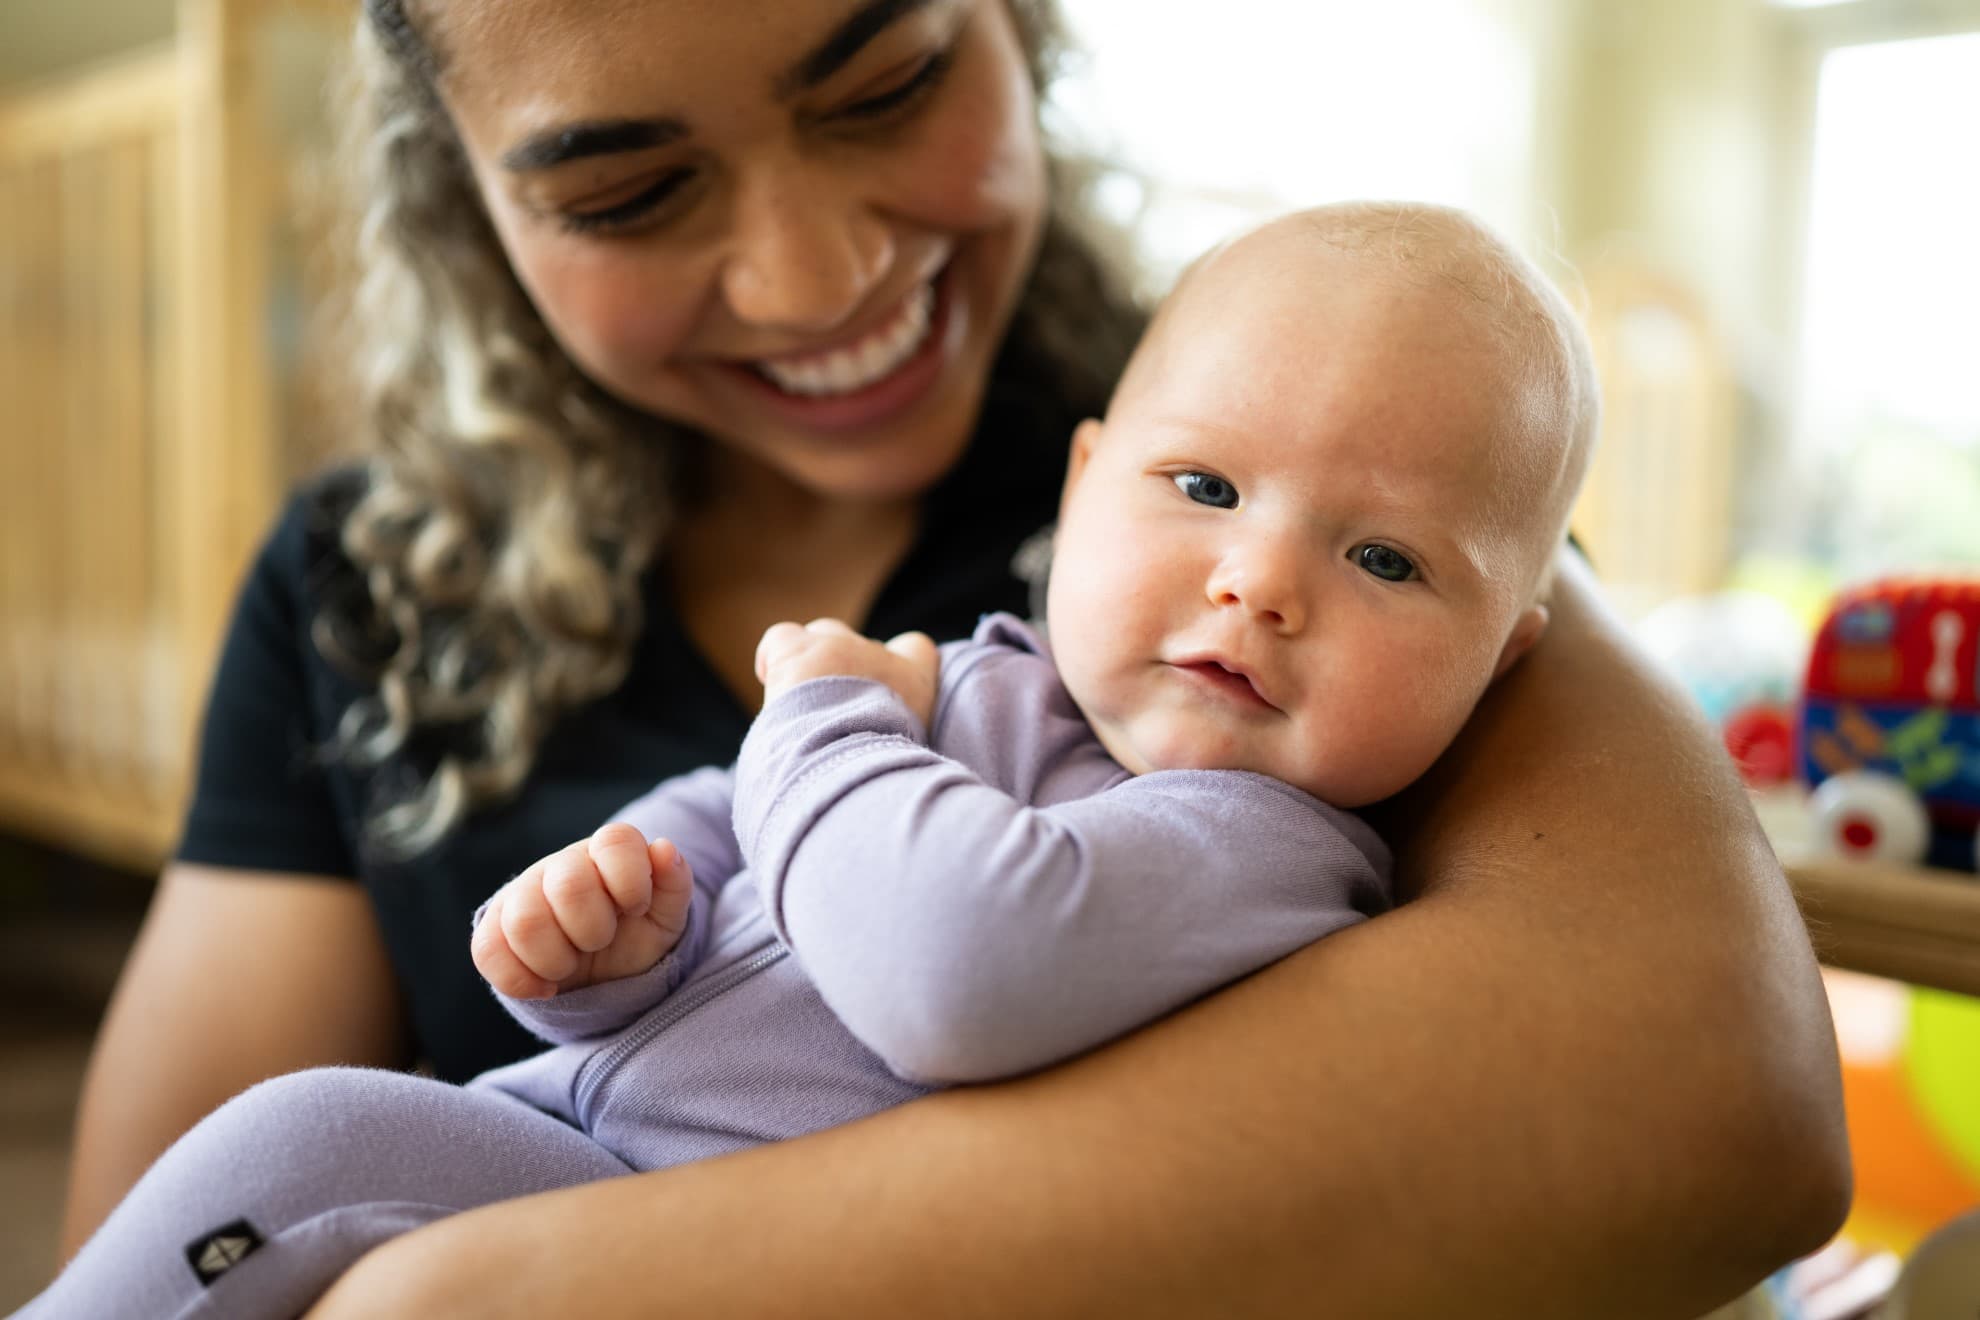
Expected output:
{"points": [[1238, 111], [1886, 421]]}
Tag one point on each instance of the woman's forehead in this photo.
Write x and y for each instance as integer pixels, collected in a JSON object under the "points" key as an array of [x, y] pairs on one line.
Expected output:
{"points": [[571, 48]]}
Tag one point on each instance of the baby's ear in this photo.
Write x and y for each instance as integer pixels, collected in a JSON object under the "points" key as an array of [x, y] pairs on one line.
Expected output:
{"points": [[1085, 436], [1532, 622]]}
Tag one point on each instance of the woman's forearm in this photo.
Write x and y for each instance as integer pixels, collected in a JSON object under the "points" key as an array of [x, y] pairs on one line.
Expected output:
{"points": [[1588, 1072]]}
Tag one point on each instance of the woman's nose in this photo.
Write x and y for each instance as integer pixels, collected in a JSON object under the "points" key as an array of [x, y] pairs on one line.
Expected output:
{"points": [[804, 256], [1264, 580]]}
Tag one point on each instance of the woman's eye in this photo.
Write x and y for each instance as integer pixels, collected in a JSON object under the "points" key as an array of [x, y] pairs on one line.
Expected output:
{"points": [[622, 215], [1384, 563], [926, 77], [1206, 489]]}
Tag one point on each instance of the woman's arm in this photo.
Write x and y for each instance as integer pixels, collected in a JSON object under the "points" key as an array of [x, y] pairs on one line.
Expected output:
{"points": [[1588, 1072], [235, 977]]}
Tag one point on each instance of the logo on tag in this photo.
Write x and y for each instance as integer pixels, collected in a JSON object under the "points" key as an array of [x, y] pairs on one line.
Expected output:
{"points": [[219, 1251]]}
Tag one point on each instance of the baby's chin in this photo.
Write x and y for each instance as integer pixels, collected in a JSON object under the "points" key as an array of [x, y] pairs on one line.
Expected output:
{"points": [[1147, 751], [1345, 786]]}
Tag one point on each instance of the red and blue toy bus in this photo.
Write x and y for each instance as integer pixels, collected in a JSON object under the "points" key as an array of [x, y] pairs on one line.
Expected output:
{"points": [[1889, 730]]}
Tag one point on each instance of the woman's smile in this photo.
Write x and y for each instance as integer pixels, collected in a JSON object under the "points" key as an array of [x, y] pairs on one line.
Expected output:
{"points": [[870, 379], [871, 356]]}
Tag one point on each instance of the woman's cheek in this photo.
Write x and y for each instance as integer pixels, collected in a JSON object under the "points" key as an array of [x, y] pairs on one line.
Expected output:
{"points": [[604, 309], [982, 164]]}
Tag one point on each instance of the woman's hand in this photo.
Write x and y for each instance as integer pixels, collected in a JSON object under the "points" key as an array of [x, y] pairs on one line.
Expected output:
{"points": [[792, 653]]}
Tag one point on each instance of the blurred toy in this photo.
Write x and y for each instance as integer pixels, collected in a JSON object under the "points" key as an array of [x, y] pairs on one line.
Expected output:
{"points": [[1890, 722], [1740, 655], [1760, 738], [1910, 1057]]}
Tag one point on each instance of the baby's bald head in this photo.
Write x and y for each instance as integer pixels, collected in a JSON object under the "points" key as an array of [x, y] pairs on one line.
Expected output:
{"points": [[1457, 307]]}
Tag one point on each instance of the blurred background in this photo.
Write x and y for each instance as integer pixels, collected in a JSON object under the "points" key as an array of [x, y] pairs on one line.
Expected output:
{"points": [[1768, 212]]}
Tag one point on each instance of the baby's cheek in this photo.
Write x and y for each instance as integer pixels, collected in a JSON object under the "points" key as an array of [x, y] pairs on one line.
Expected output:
{"points": [[1381, 738]]}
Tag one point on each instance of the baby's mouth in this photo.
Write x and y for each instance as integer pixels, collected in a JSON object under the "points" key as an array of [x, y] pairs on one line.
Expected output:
{"points": [[1222, 678], [853, 367]]}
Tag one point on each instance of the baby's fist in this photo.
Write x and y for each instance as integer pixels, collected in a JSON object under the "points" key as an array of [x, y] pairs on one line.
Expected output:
{"points": [[606, 907], [791, 653]]}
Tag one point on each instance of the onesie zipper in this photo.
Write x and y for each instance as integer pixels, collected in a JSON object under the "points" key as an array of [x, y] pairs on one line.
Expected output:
{"points": [[601, 1066]]}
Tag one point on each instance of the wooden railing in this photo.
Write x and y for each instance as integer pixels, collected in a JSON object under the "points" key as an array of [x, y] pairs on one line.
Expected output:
{"points": [[139, 461], [1908, 923]]}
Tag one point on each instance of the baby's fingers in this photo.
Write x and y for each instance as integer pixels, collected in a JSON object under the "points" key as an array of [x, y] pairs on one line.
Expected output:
{"points": [[498, 963], [579, 900], [673, 887], [778, 641], [531, 926], [619, 853], [918, 649]]}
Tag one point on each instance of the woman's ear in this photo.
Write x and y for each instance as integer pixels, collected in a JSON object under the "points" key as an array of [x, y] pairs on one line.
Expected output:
{"points": [[1085, 436], [1525, 633]]}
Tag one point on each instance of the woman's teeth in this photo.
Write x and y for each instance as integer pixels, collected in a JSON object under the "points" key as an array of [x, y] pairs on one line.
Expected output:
{"points": [[846, 370]]}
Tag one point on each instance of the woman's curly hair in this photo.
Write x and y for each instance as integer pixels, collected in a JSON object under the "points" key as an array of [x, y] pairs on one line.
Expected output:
{"points": [[510, 506]]}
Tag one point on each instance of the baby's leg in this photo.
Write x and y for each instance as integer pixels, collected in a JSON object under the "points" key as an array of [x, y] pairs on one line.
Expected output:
{"points": [[256, 1211]]}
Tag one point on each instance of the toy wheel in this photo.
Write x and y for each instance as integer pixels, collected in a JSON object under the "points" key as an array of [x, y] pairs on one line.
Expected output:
{"points": [[1864, 814]]}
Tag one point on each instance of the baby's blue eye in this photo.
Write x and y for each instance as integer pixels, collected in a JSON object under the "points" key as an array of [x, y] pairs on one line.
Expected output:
{"points": [[1384, 563], [1206, 489]]}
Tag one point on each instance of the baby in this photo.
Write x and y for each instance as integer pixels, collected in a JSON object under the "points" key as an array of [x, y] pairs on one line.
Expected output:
{"points": [[1312, 529]]}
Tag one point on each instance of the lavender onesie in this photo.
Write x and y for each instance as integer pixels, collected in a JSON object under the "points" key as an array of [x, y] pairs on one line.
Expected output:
{"points": [[879, 910]]}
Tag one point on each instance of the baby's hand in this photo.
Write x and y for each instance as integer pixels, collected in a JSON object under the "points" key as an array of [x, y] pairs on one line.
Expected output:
{"points": [[791, 653], [606, 907]]}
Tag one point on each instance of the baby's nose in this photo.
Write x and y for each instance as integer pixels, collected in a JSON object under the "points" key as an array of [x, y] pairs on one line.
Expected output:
{"points": [[1264, 585]]}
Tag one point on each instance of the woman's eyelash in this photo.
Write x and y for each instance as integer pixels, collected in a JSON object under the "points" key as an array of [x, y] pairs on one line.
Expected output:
{"points": [[628, 211], [922, 80]]}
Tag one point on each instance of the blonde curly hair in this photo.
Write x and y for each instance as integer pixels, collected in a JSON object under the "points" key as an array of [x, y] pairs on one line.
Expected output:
{"points": [[510, 506]]}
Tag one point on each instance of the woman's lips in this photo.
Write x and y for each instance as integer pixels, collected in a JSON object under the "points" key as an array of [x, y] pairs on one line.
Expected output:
{"points": [[866, 361], [872, 402]]}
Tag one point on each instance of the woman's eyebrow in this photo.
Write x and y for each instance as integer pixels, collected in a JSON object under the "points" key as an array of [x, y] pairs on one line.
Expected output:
{"points": [[556, 146], [845, 41], [559, 146]]}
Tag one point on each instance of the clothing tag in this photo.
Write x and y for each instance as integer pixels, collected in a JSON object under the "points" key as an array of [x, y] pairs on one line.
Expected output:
{"points": [[213, 1254]]}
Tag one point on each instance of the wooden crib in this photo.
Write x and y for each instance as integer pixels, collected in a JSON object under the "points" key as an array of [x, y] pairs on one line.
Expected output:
{"points": [[145, 248]]}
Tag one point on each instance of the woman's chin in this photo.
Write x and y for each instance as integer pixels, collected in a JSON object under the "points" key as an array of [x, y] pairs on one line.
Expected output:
{"points": [[880, 473]]}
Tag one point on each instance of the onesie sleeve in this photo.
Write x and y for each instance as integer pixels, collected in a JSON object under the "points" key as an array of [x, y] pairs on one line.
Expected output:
{"points": [[963, 935], [694, 812]]}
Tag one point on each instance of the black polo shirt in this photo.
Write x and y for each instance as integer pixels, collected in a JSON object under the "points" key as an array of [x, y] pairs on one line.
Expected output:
{"points": [[266, 799]]}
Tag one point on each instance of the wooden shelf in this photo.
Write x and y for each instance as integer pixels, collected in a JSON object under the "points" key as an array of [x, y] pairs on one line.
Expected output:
{"points": [[1904, 922]]}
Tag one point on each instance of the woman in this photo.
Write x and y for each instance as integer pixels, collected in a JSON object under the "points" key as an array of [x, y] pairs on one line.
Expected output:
{"points": [[730, 313]]}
